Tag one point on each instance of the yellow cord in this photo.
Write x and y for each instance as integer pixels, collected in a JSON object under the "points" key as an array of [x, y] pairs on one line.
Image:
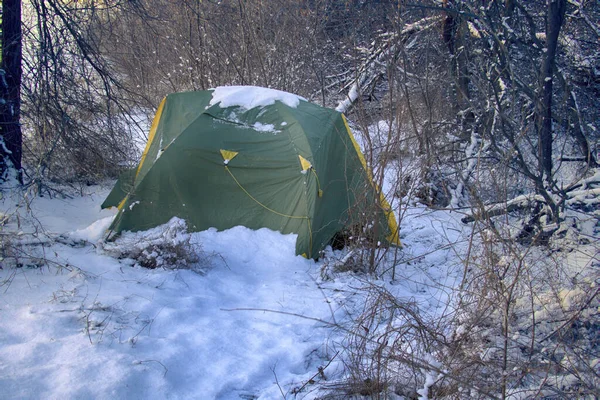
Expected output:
{"points": [[273, 211], [259, 203], [320, 192]]}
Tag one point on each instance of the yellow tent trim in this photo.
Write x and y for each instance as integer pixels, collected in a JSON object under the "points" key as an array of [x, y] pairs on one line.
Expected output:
{"points": [[306, 165], [387, 209], [151, 135], [228, 155], [122, 203]]}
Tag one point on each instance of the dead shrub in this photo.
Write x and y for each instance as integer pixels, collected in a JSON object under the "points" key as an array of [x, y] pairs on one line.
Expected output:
{"points": [[168, 246]]}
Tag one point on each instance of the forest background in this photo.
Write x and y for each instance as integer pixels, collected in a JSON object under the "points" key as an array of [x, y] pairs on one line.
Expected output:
{"points": [[488, 108]]}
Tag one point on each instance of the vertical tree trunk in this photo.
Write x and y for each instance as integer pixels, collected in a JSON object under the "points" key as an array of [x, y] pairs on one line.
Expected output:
{"points": [[555, 19], [10, 88], [453, 29]]}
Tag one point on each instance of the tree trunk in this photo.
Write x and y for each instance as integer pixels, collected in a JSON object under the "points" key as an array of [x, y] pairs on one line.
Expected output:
{"points": [[10, 89], [555, 19], [453, 30]]}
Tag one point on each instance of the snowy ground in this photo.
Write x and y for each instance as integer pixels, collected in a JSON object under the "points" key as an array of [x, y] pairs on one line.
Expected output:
{"points": [[255, 323]]}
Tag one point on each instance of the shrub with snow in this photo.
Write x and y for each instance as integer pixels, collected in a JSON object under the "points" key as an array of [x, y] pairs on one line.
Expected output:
{"points": [[166, 246]]}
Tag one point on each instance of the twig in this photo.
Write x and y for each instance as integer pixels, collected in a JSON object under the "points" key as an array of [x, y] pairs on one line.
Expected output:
{"points": [[277, 382], [319, 372], [570, 320], [139, 362]]}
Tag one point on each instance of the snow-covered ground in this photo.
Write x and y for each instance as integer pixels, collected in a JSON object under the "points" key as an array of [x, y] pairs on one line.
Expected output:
{"points": [[254, 321]]}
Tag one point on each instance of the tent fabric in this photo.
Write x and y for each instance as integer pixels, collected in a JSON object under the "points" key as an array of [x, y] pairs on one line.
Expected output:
{"points": [[292, 168], [123, 186]]}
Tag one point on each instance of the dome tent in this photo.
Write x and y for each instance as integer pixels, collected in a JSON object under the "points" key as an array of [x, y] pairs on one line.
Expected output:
{"points": [[255, 157]]}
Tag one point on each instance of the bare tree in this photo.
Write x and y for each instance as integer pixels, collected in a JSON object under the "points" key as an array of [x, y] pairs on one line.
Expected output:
{"points": [[554, 22], [10, 89], [75, 108]]}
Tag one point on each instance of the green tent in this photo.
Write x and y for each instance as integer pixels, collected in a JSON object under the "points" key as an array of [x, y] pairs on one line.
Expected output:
{"points": [[254, 157], [123, 186]]}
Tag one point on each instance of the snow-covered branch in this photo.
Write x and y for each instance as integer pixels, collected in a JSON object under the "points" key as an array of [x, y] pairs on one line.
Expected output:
{"points": [[522, 202], [374, 66]]}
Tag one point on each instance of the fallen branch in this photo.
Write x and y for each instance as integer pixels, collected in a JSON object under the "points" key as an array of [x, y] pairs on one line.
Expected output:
{"points": [[524, 202], [373, 68]]}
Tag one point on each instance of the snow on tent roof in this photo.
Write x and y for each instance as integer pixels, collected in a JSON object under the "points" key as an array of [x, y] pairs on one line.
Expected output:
{"points": [[249, 97]]}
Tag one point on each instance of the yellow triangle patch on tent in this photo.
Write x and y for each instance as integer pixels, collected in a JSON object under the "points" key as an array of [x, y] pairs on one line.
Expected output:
{"points": [[306, 165], [228, 155]]}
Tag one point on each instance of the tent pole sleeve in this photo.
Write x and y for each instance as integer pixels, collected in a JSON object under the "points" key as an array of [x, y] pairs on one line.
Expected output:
{"points": [[151, 135], [387, 209]]}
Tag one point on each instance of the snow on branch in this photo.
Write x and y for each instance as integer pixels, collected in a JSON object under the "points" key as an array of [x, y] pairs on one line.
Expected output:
{"points": [[523, 202], [587, 183], [583, 195], [373, 67]]}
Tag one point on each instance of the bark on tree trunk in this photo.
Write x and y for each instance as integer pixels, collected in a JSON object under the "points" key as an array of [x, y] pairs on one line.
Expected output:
{"points": [[10, 88], [453, 28], [555, 19]]}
